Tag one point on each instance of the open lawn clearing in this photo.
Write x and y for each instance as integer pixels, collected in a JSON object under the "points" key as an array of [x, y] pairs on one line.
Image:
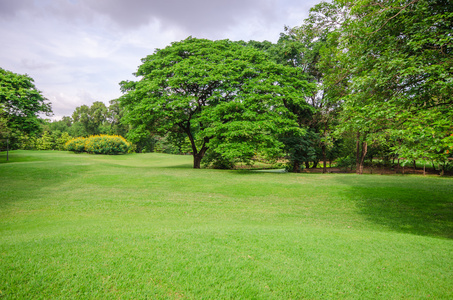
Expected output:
{"points": [[149, 226]]}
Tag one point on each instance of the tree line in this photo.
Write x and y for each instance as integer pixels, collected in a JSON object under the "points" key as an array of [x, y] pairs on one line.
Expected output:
{"points": [[356, 80]]}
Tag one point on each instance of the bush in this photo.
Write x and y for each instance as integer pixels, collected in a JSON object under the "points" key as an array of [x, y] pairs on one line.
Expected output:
{"points": [[76, 144], [44, 142], [100, 144], [60, 143], [107, 144]]}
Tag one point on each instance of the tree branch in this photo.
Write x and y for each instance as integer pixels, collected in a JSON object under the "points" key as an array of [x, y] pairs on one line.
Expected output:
{"points": [[388, 20]]}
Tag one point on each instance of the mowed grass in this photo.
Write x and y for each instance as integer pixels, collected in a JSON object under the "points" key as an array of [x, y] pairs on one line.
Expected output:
{"points": [[148, 226]]}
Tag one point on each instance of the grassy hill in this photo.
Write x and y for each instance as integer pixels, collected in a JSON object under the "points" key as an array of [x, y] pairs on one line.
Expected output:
{"points": [[146, 226]]}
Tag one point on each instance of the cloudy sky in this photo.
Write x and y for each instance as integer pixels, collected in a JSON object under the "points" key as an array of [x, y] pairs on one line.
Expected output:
{"points": [[78, 51]]}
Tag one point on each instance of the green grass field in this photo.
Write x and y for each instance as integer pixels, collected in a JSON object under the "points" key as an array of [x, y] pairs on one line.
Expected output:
{"points": [[148, 226]]}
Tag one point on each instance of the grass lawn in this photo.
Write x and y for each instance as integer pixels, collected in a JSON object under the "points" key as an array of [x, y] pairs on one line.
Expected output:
{"points": [[148, 226]]}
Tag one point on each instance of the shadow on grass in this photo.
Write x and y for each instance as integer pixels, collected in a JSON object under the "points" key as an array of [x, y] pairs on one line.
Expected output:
{"points": [[181, 166], [407, 204]]}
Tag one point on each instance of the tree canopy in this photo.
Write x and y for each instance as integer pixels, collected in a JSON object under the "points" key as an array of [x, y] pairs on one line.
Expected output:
{"points": [[398, 57], [20, 103], [224, 96]]}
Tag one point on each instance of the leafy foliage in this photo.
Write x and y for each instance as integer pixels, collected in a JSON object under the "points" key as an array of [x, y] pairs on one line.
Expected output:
{"points": [[99, 144], [90, 117], [403, 77], [20, 105], [44, 142], [107, 144], [222, 95], [76, 144]]}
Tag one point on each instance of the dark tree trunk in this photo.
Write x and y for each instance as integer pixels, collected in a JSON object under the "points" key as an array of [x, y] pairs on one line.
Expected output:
{"points": [[296, 167], [307, 165], [315, 164], [324, 160], [197, 155], [197, 161]]}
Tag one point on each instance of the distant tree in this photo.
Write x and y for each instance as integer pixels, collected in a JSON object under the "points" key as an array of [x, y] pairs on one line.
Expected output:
{"points": [[114, 115], [98, 116], [81, 117], [62, 125], [20, 105], [90, 119], [222, 95]]}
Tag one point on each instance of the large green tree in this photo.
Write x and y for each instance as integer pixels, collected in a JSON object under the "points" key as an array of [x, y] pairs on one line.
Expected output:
{"points": [[222, 95], [399, 58], [312, 48], [20, 104]]}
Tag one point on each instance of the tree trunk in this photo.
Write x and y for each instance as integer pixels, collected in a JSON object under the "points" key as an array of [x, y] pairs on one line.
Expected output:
{"points": [[324, 160], [307, 165], [296, 167], [197, 161], [315, 164], [197, 155]]}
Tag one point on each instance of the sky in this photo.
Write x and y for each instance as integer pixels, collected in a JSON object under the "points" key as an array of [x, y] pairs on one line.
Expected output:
{"points": [[78, 51]]}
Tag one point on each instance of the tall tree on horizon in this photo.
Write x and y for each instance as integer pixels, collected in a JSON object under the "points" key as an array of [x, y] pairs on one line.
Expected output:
{"points": [[225, 97]]}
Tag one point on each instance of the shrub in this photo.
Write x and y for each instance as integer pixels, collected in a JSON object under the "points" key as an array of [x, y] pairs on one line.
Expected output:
{"points": [[76, 144], [100, 144], [107, 144], [62, 140], [44, 142]]}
